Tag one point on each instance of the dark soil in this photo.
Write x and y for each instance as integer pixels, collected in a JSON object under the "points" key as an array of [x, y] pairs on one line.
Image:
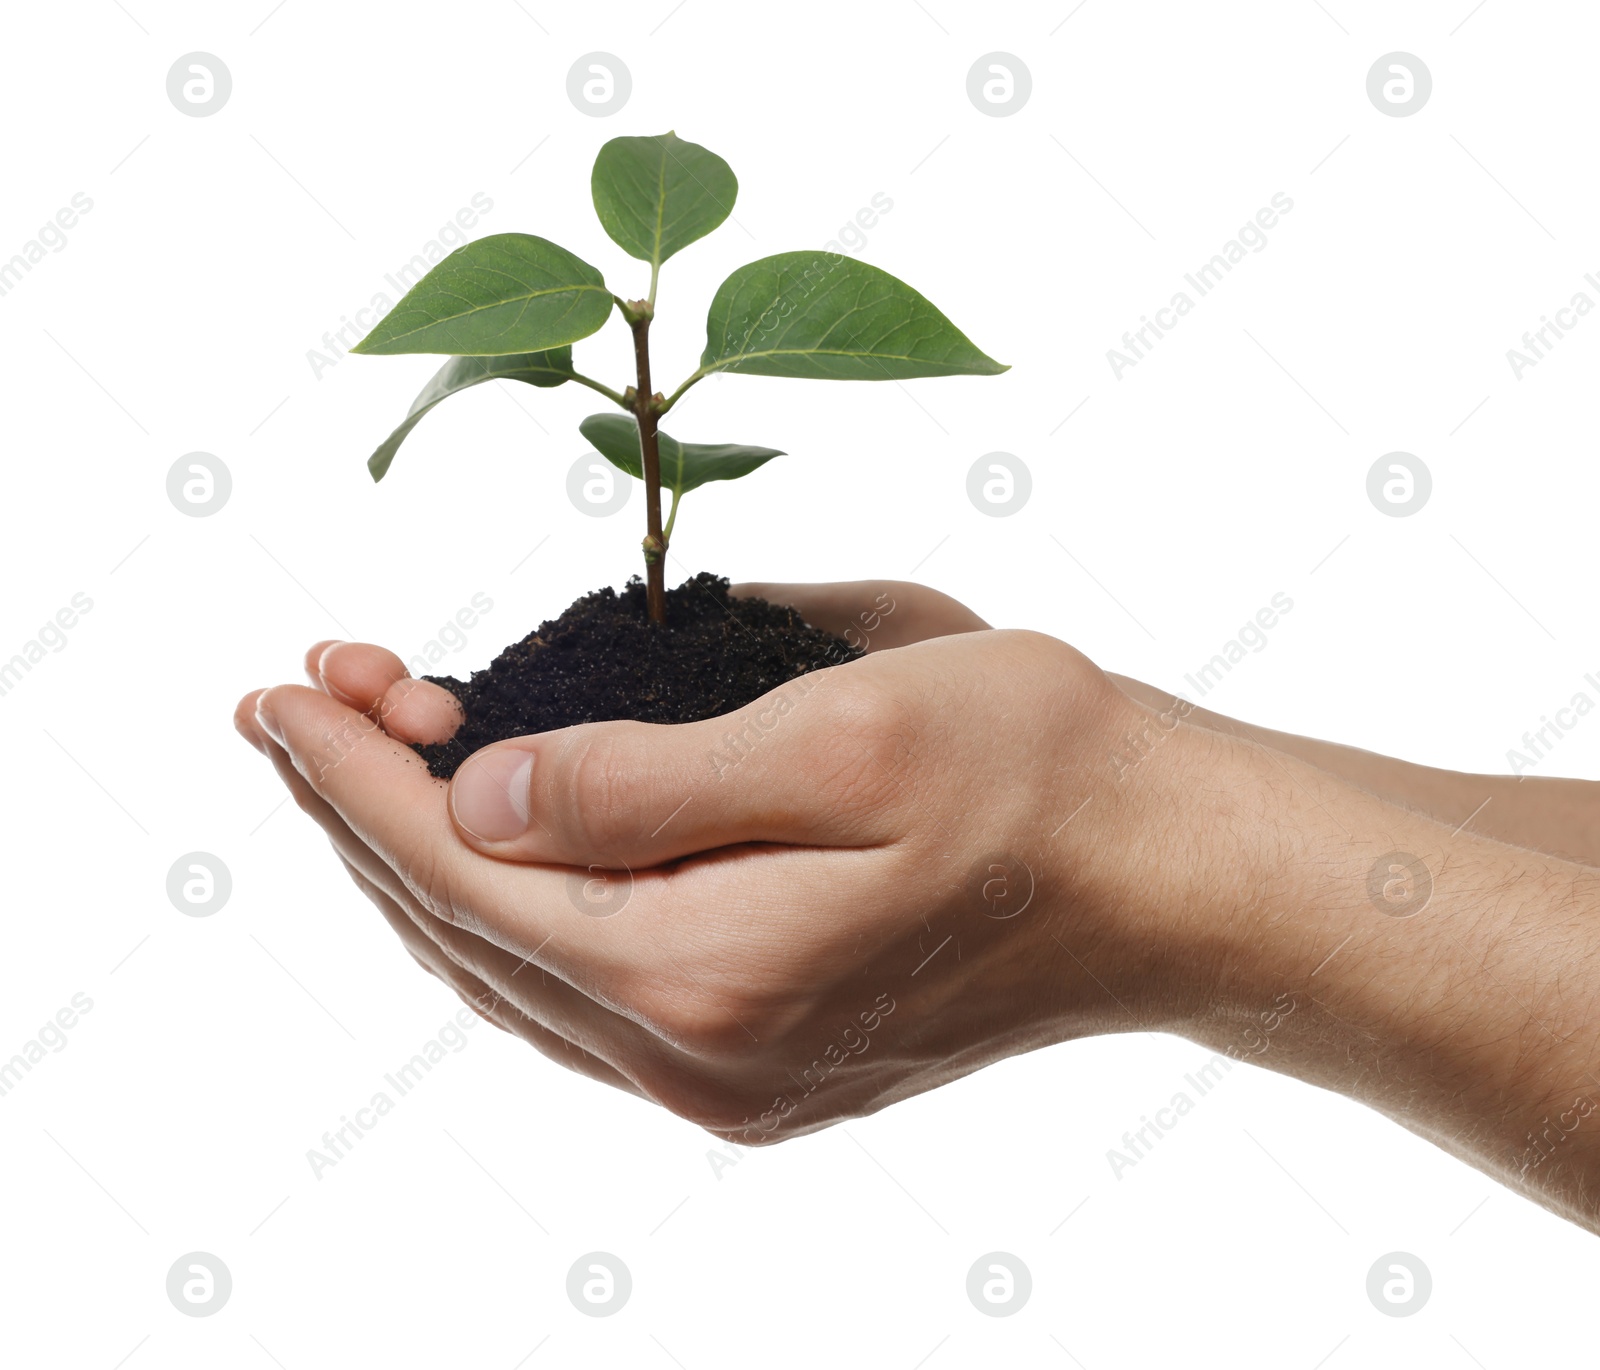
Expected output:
{"points": [[603, 659]]}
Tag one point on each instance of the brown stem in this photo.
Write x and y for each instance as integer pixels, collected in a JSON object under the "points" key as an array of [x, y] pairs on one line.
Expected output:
{"points": [[644, 410]]}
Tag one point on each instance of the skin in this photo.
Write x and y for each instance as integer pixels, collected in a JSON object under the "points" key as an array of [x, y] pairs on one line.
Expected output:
{"points": [[799, 898]]}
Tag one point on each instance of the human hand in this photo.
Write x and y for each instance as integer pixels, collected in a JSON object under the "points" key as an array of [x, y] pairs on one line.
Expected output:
{"points": [[873, 880]]}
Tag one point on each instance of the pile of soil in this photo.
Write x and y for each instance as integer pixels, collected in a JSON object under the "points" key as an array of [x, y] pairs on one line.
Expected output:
{"points": [[603, 659]]}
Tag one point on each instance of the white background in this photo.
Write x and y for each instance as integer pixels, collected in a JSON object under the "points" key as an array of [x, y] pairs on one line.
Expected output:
{"points": [[1173, 503]]}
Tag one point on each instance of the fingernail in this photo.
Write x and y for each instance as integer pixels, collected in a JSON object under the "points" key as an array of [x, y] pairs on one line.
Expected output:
{"points": [[489, 795], [268, 720], [327, 649]]}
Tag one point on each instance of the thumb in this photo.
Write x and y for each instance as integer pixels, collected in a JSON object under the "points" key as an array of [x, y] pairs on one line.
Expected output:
{"points": [[810, 763], [873, 615]]}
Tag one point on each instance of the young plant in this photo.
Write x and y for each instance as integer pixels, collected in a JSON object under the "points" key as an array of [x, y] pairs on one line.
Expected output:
{"points": [[510, 306]]}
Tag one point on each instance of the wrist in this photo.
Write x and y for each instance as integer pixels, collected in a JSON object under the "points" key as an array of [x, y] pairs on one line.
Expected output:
{"points": [[1411, 964]]}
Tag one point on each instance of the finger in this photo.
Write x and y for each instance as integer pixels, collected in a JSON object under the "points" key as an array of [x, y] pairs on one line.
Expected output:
{"points": [[487, 1003], [244, 721], [313, 656], [375, 681], [380, 790], [807, 763], [458, 956], [873, 615], [420, 711], [356, 673]]}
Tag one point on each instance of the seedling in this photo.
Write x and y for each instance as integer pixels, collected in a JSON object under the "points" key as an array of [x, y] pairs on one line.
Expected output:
{"points": [[510, 306]]}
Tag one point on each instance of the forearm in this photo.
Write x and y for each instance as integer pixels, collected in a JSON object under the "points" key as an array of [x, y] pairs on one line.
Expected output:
{"points": [[1560, 817], [1448, 980]]}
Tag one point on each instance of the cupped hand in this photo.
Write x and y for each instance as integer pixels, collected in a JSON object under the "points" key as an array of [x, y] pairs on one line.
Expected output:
{"points": [[870, 881]]}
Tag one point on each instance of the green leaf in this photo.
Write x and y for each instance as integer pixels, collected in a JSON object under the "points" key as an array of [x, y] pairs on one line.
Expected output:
{"points": [[684, 465], [657, 195], [509, 292], [824, 316], [460, 373]]}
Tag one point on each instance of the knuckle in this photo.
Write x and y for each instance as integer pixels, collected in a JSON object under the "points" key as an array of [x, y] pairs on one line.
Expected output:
{"points": [[597, 783], [860, 764], [701, 1013], [693, 1023], [429, 879], [724, 1110]]}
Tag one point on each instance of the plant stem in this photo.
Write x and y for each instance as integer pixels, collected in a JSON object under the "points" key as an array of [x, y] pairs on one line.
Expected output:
{"points": [[677, 394], [646, 413], [606, 390], [672, 517]]}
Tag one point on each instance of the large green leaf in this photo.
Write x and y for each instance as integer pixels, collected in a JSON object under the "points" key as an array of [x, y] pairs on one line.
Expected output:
{"points": [[824, 316], [684, 465], [459, 373], [509, 292], [657, 195]]}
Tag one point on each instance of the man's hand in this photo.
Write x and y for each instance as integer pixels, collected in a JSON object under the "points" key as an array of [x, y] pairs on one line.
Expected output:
{"points": [[873, 880], [968, 844]]}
